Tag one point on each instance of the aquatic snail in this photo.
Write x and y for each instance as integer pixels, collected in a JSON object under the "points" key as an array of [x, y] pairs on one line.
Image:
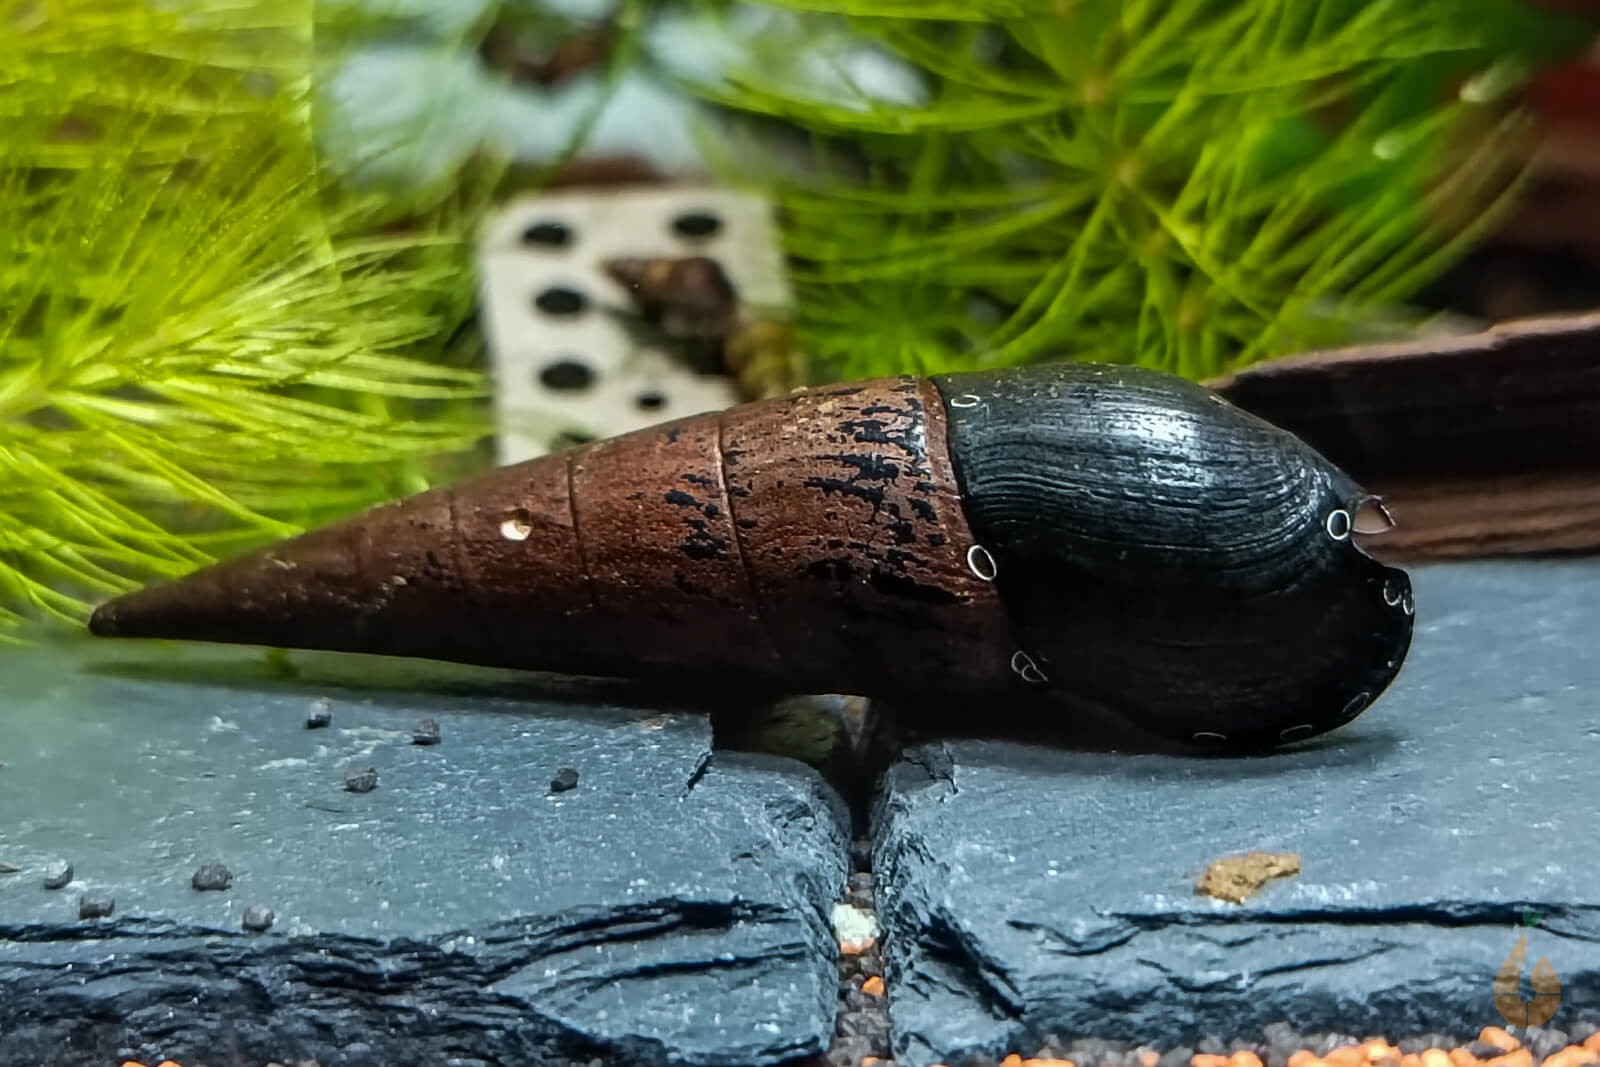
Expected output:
{"points": [[1035, 537]]}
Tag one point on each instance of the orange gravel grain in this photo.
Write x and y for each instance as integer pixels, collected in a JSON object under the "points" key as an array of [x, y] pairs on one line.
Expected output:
{"points": [[1376, 1053], [1572, 1056], [1381, 1054], [1500, 1039], [1520, 1058], [1346, 1056], [873, 986]]}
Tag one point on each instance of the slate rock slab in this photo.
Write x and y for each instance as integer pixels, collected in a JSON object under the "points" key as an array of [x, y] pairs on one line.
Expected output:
{"points": [[1026, 891], [671, 908]]}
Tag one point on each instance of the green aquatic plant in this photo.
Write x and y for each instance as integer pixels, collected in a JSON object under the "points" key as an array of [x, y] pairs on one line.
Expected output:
{"points": [[1193, 185], [205, 341]]}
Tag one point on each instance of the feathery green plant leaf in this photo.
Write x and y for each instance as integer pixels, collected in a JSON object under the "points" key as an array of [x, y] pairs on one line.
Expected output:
{"points": [[1187, 184], [204, 343]]}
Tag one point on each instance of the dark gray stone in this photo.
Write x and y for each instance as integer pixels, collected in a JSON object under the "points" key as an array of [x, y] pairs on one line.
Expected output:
{"points": [[361, 779], [674, 910], [96, 906], [212, 878], [57, 874], [1025, 889], [427, 733]]}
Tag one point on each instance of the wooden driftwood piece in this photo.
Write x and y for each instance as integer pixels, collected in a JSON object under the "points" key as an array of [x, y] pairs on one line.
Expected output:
{"points": [[1481, 444]]}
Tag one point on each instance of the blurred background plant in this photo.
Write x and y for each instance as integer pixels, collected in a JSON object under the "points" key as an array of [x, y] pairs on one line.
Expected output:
{"points": [[204, 342], [1189, 184], [238, 296], [1192, 185]]}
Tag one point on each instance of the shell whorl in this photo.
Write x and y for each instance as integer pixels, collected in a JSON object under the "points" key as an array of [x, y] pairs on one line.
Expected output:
{"points": [[1174, 558]]}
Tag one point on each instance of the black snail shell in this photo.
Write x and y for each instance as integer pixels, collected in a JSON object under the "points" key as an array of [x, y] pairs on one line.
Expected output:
{"points": [[1165, 553]]}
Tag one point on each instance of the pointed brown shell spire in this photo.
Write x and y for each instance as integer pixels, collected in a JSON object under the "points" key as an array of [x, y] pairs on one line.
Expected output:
{"points": [[812, 542]]}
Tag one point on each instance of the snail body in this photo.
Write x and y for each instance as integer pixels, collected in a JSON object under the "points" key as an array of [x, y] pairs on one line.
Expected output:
{"points": [[1060, 532]]}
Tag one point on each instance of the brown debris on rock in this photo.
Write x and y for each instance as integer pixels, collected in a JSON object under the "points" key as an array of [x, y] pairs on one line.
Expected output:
{"points": [[1238, 878]]}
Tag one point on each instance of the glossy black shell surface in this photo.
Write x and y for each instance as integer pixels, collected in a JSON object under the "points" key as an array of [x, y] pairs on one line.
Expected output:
{"points": [[1171, 557]]}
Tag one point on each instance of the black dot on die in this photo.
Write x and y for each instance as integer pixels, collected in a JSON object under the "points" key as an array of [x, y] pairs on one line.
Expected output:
{"points": [[566, 375], [697, 225], [559, 300], [651, 401], [548, 234]]}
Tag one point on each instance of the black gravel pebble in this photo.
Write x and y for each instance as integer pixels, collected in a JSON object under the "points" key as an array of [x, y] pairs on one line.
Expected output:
{"points": [[57, 873], [361, 779], [566, 778], [976, 1059], [1282, 1042], [856, 1000], [1542, 1042], [426, 733], [849, 1052], [318, 717], [1093, 1051], [1176, 1057], [95, 906], [212, 877], [860, 894], [1483, 1050], [257, 918]]}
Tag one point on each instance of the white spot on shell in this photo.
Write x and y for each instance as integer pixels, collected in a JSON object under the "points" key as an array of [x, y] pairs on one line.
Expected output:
{"points": [[1393, 592], [981, 563], [1355, 704], [1338, 524], [1295, 733], [966, 400], [1026, 669], [516, 526], [1209, 737]]}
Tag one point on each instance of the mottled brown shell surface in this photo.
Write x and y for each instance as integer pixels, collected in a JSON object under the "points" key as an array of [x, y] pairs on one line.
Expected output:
{"points": [[814, 542]]}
